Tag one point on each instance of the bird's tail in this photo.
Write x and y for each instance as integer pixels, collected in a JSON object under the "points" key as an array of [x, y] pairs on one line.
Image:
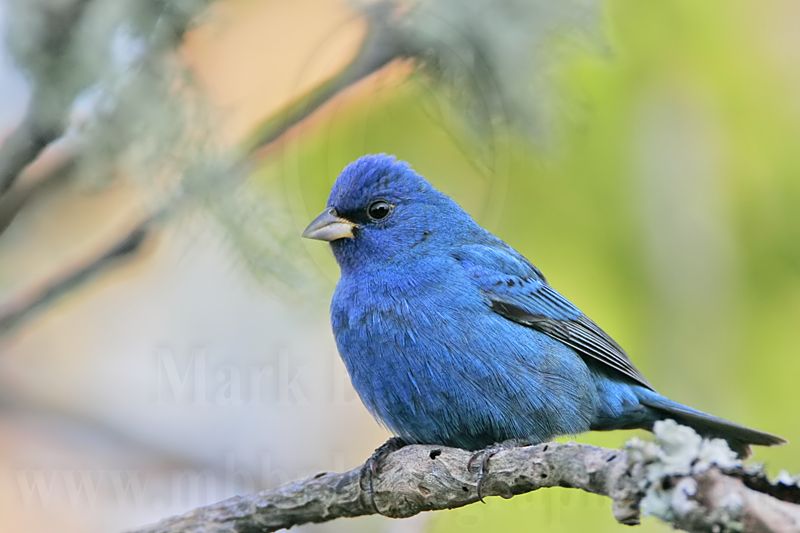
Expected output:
{"points": [[739, 437]]}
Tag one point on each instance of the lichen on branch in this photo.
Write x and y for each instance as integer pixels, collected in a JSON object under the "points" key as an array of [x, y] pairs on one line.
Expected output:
{"points": [[692, 483]]}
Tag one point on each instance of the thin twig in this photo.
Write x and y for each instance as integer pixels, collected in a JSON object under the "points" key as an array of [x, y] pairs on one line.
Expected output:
{"points": [[47, 111], [25, 144], [23, 306], [45, 175], [380, 47]]}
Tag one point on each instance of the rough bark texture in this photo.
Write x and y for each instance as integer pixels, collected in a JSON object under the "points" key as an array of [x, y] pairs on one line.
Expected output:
{"points": [[706, 490]]}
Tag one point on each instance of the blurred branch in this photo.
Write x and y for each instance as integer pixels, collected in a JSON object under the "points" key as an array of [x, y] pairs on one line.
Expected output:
{"points": [[46, 114], [59, 422], [686, 490], [454, 49], [52, 48], [391, 35], [33, 184], [25, 144], [162, 38], [29, 302], [378, 49]]}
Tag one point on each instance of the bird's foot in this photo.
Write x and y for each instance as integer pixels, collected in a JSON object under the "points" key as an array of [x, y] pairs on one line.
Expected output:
{"points": [[371, 466], [482, 457]]}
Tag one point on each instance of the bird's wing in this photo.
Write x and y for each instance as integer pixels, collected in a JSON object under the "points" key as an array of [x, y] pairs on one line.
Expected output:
{"points": [[518, 291]]}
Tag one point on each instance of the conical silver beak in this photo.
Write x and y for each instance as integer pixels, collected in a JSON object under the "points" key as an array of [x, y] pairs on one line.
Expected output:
{"points": [[328, 226]]}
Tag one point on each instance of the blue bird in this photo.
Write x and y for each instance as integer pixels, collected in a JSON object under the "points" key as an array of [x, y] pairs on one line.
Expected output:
{"points": [[452, 337]]}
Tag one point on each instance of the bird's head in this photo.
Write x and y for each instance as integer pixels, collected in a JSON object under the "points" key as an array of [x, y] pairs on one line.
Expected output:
{"points": [[380, 211]]}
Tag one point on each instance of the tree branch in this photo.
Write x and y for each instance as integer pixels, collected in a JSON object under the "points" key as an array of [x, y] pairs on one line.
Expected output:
{"points": [[696, 485], [412, 480], [25, 143], [18, 309], [44, 118], [380, 46], [34, 183]]}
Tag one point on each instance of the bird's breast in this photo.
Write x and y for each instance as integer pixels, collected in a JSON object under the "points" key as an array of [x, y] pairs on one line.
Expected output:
{"points": [[383, 310], [431, 360]]}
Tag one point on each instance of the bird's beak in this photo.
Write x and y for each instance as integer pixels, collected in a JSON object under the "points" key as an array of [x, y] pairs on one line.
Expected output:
{"points": [[328, 226]]}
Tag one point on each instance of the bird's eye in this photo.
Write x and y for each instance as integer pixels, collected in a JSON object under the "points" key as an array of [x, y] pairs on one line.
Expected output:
{"points": [[379, 209]]}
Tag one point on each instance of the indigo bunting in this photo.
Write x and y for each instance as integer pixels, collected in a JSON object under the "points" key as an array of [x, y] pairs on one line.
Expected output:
{"points": [[452, 337]]}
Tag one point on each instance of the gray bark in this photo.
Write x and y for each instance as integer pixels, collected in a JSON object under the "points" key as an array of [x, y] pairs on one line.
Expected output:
{"points": [[696, 486]]}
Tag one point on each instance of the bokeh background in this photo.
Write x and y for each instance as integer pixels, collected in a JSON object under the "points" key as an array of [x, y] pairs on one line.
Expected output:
{"points": [[164, 339]]}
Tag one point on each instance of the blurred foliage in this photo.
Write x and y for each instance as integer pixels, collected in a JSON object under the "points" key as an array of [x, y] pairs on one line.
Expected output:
{"points": [[665, 208], [495, 60], [107, 73]]}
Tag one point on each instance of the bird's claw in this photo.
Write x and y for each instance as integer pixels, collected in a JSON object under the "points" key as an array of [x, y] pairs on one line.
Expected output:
{"points": [[370, 468], [485, 455]]}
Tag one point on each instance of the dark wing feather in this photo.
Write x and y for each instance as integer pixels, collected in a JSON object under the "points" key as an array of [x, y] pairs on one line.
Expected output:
{"points": [[581, 334], [517, 291]]}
